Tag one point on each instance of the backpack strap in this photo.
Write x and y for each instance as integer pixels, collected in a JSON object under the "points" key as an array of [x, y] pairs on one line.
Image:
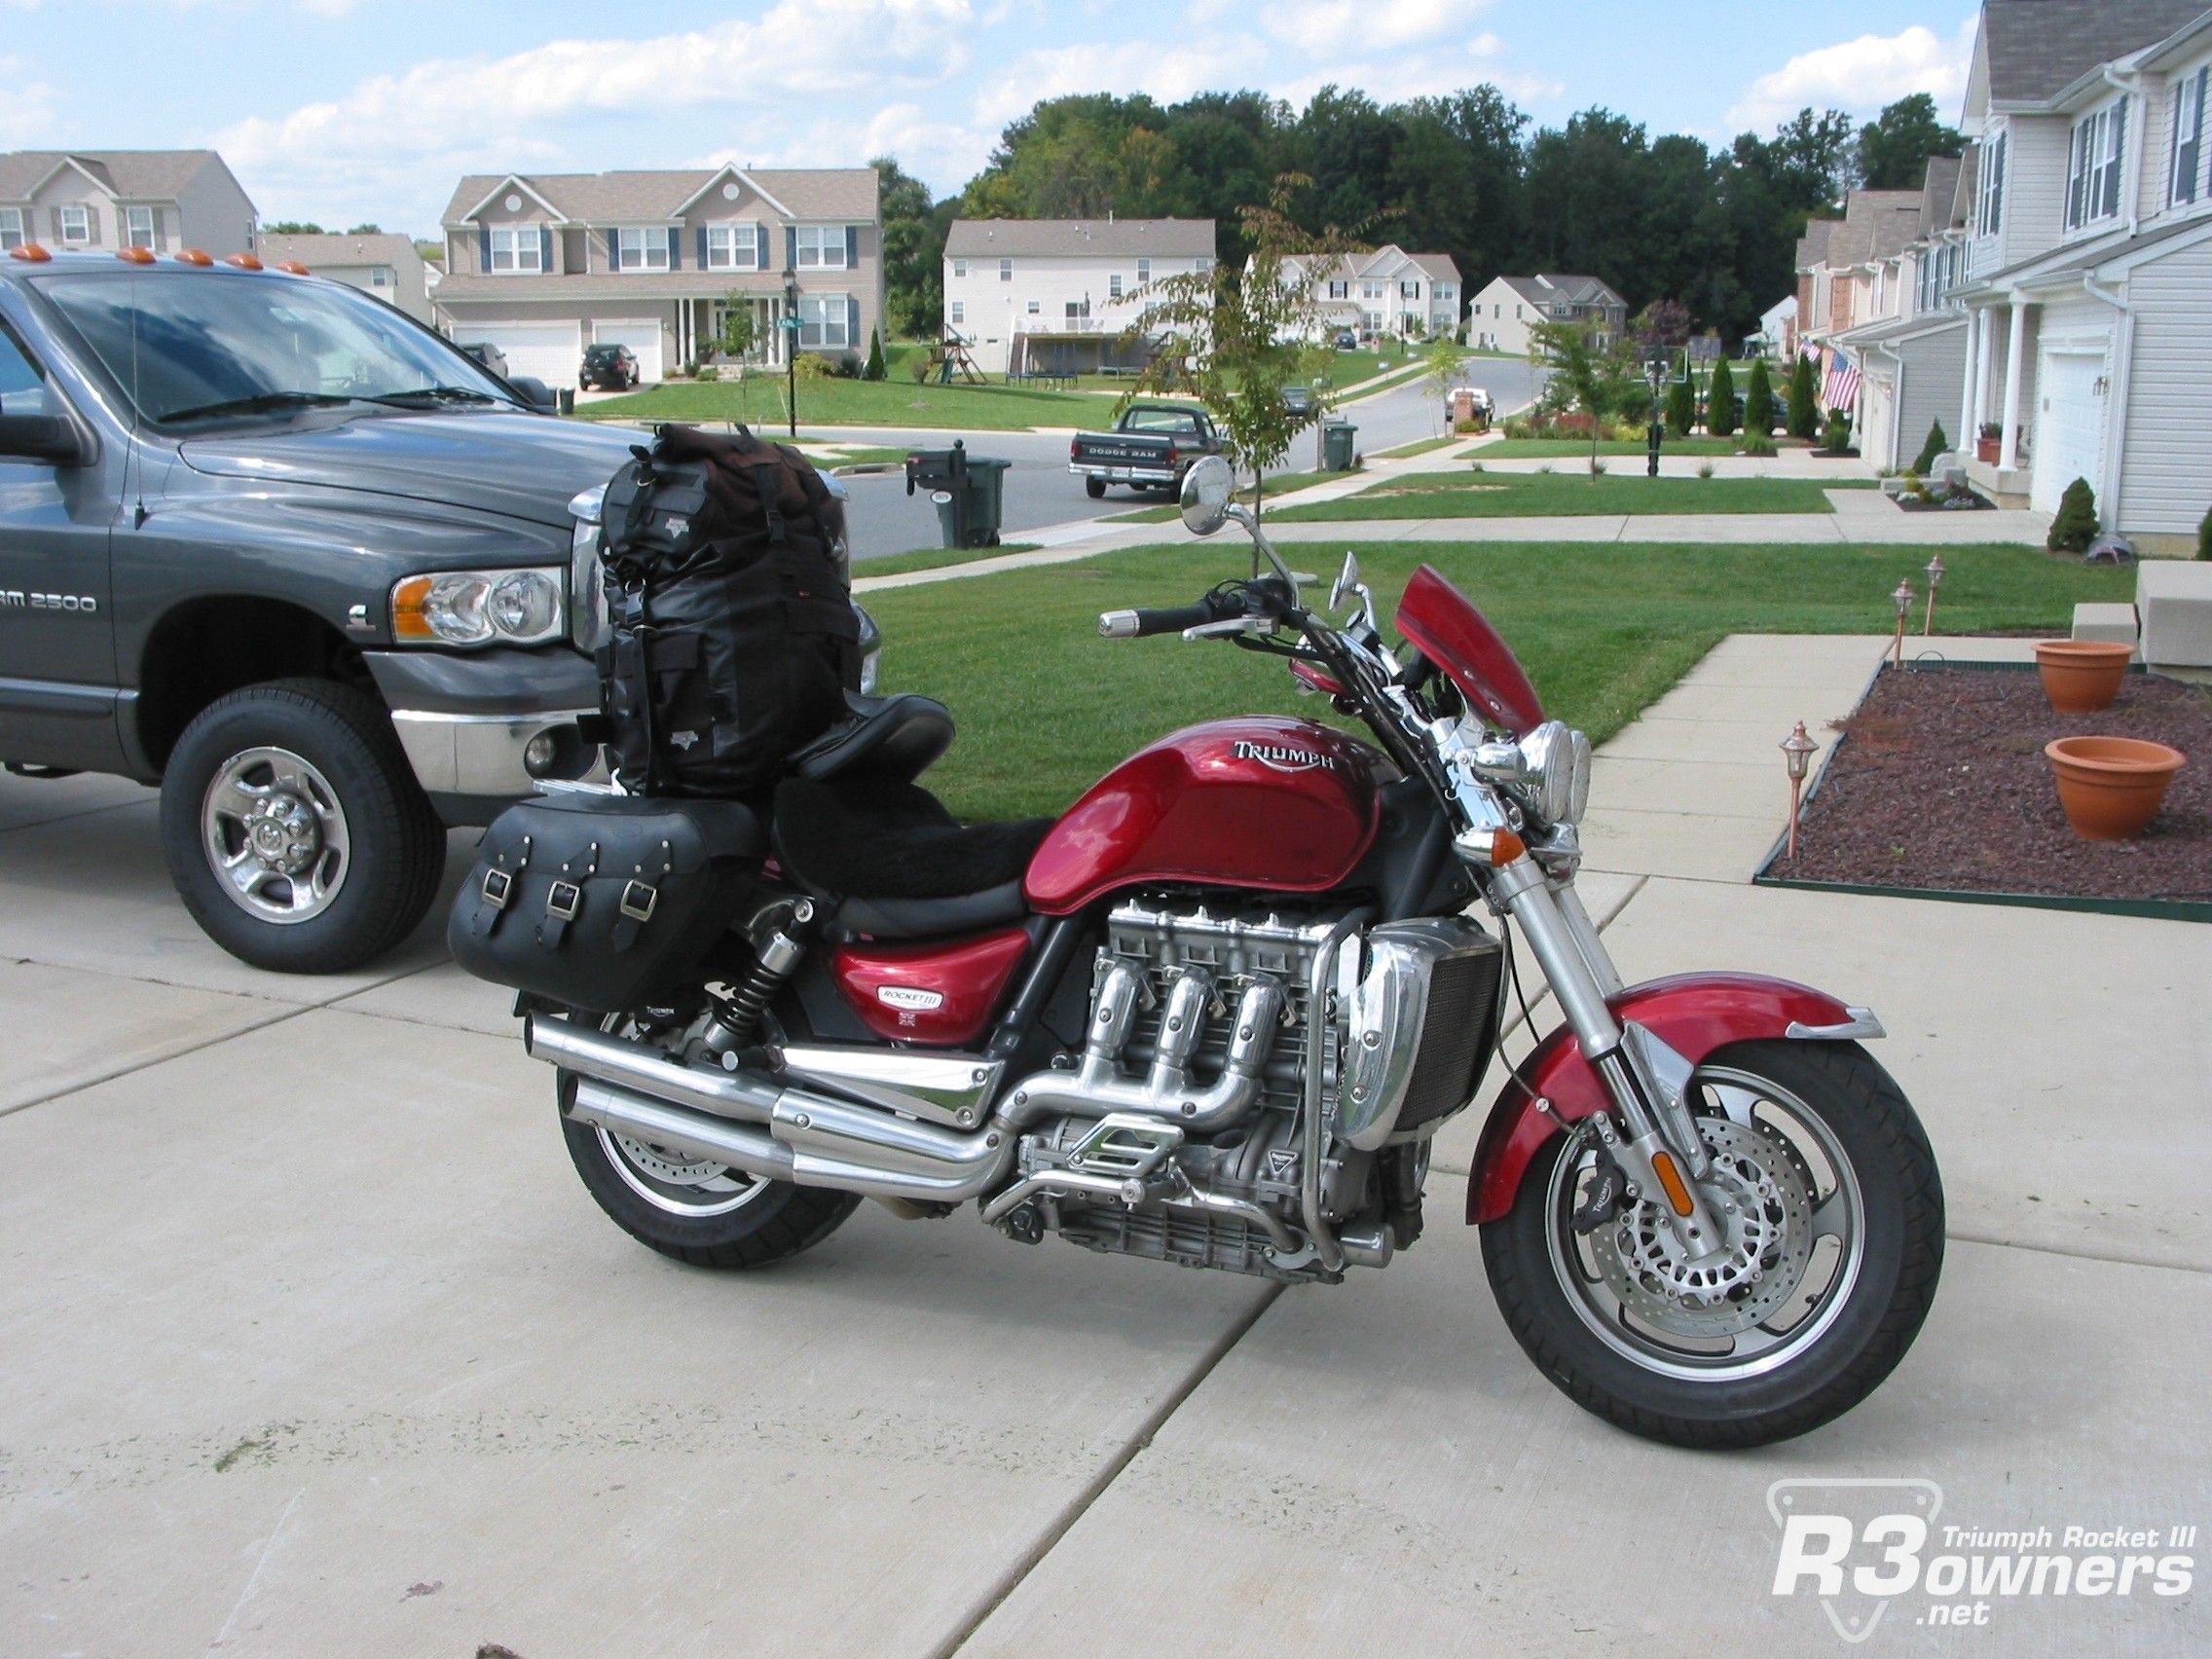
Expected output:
{"points": [[764, 481]]}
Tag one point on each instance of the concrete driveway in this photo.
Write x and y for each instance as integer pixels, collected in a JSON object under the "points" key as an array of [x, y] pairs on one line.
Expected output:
{"points": [[316, 1344]]}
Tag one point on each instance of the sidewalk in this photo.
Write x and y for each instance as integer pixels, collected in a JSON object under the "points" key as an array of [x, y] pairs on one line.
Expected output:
{"points": [[317, 1345]]}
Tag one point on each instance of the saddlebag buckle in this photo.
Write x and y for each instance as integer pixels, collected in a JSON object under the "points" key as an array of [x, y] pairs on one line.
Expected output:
{"points": [[563, 900], [638, 900], [499, 888]]}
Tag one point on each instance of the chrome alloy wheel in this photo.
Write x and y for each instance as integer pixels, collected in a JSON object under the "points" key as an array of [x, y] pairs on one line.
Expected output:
{"points": [[1797, 1236], [276, 835]]}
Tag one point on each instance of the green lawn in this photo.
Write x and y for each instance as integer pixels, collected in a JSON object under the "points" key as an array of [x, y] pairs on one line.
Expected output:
{"points": [[1046, 706], [1420, 446], [1563, 495], [860, 457], [759, 400], [1280, 484], [932, 559], [1546, 449]]}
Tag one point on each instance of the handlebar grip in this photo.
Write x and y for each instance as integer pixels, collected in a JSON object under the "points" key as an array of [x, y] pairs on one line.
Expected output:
{"points": [[1167, 619]]}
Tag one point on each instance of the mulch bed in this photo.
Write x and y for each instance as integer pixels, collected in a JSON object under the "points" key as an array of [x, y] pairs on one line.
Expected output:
{"points": [[1939, 782]]}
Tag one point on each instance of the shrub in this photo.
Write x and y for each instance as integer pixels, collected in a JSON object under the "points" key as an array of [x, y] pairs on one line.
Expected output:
{"points": [[1545, 467], [875, 370], [1682, 407], [1720, 401], [1705, 470], [1756, 443], [1758, 401], [2205, 535], [1803, 418], [1477, 466], [691, 369], [1628, 432], [2075, 525], [1597, 467], [1935, 445], [810, 366], [1835, 436], [918, 365]]}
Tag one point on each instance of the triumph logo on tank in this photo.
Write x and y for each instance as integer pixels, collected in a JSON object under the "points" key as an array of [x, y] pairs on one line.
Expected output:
{"points": [[1861, 1544], [908, 996], [1277, 757]]}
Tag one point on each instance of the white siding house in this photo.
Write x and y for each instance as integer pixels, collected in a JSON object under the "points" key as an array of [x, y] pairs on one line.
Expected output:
{"points": [[384, 264], [1509, 306], [1385, 291], [1057, 296]]}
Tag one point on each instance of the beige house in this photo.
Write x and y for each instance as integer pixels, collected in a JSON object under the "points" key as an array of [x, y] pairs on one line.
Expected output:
{"points": [[384, 264], [163, 200], [1385, 291], [542, 265], [1507, 309], [1055, 296]]}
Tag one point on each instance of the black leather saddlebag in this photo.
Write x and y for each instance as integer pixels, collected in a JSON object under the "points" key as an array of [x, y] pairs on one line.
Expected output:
{"points": [[603, 901]]}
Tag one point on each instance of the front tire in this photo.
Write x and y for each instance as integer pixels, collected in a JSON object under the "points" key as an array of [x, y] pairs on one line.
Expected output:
{"points": [[1835, 1246], [294, 829]]}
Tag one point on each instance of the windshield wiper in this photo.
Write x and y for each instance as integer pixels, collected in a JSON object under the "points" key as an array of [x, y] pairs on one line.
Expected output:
{"points": [[435, 394], [260, 403]]}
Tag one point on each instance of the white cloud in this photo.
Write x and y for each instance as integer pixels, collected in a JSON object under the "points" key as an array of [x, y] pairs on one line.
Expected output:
{"points": [[1324, 27], [1861, 76], [27, 113], [1170, 74], [1423, 75]]}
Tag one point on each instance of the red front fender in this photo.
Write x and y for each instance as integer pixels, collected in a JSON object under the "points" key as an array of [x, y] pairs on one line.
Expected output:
{"points": [[1693, 1014]]}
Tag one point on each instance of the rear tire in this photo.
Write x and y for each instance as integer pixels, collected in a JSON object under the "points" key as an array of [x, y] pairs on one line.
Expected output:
{"points": [[1094, 488], [1824, 1148]]}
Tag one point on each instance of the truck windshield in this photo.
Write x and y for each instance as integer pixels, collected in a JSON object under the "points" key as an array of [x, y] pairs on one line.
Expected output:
{"points": [[206, 343]]}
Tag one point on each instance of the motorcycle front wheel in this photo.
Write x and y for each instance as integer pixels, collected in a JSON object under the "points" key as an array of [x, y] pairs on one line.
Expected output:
{"points": [[1823, 1181]]}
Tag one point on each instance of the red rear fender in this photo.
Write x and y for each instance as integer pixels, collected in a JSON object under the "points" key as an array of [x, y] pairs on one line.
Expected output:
{"points": [[1692, 1013]]}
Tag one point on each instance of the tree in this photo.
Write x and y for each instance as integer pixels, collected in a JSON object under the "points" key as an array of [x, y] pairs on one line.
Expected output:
{"points": [[371, 230], [913, 251], [1245, 331], [2075, 525], [1935, 445], [1804, 415], [1720, 401], [1442, 359], [738, 329], [1758, 401], [1682, 407], [1894, 148], [1604, 383], [293, 228], [874, 370]]}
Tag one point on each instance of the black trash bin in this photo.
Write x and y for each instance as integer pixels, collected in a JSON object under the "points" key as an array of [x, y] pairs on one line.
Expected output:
{"points": [[970, 493]]}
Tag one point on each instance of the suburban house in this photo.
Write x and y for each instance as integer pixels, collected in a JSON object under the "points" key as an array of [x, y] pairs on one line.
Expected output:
{"points": [[1055, 296], [2087, 286], [1386, 291], [379, 262], [163, 200], [1777, 335], [542, 265], [1510, 305], [1884, 284]]}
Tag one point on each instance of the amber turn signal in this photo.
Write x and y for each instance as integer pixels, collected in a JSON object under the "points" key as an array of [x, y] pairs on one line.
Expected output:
{"points": [[1504, 847], [411, 610]]}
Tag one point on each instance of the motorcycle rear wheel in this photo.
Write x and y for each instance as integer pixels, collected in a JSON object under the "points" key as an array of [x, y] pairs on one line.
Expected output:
{"points": [[1836, 1241]]}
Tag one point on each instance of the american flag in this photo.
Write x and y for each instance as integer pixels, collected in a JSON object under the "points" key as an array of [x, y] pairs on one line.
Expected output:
{"points": [[1840, 390]]}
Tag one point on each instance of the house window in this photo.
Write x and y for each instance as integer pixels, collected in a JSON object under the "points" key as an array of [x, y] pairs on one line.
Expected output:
{"points": [[1445, 291], [960, 310], [381, 276], [1340, 291], [11, 228], [2093, 169], [138, 227], [1114, 286], [1370, 290], [1409, 290], [517, 248], [1144, 272], [1006, 269], [1992, 217], [1516, 314], [1202, 263], [732, 247], [824, 321], [76, 222], [637, 248], [960, 268], [1034, 308], [823, 247], [2189, 137]]}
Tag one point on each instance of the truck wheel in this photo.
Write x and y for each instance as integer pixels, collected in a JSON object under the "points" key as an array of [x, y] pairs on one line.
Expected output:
{"points": [[294, 829], [1094, 488]]}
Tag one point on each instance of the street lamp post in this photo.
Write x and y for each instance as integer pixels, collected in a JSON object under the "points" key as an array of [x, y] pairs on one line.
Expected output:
{"points": [[790, 346], [1656, 370]]}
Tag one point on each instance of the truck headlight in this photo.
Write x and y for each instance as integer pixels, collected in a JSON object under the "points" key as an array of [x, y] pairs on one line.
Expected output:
{"points": [[478, 608]]}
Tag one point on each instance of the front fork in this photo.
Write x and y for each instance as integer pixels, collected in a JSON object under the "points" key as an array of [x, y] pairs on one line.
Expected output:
{"points": [[1656, 1145]]}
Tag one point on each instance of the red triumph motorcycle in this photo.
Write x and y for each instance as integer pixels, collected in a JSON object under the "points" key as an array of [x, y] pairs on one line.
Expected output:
{"points": [[1216, 1014]]}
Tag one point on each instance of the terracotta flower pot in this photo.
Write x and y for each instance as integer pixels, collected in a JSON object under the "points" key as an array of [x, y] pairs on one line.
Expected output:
{"points": [[2109, 787], [1987, 450], [2080, 677]]}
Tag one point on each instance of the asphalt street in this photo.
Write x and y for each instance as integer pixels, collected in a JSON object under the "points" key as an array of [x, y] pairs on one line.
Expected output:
{"points": [[1039, 490]]}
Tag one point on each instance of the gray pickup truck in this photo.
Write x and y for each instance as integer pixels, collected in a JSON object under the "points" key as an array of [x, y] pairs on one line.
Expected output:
{"points": [[1150, 448], [270, 544]]}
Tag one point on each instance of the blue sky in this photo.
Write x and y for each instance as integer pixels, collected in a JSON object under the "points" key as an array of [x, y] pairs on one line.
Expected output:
{"points": [[350, 110]]}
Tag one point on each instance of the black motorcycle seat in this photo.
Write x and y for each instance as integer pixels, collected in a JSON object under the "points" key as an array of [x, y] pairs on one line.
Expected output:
{"points": [[894, 738], [894, 860]]}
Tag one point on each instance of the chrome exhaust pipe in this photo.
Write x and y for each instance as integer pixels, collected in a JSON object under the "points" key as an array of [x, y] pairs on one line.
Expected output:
{"points": [[640, 1070], [713, 1140]]}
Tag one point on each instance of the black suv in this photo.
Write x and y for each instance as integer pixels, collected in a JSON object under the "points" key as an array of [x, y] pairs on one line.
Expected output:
{"points": [[607, 368]]}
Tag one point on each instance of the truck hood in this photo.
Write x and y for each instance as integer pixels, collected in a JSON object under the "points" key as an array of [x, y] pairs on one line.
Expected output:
{"points": [[524, 466]]}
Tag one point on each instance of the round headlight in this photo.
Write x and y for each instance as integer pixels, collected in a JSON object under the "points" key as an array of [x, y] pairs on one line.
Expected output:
{"points": [[1555, 772], [525, 603]]}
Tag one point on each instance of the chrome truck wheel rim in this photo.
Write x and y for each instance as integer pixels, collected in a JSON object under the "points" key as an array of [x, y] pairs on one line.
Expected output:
{"points": [[276, 835], [1796, 1228]]}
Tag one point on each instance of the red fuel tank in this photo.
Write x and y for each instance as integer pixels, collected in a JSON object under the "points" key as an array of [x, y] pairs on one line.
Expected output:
{"points": [[1257, 801]]}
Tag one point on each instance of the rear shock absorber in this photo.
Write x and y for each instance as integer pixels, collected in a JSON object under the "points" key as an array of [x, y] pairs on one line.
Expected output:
{"points": [[776, 955]]}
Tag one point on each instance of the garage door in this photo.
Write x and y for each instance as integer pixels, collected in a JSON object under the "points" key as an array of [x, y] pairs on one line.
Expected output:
{"points": [[552, 351], [2069, 429], [641, 334]]}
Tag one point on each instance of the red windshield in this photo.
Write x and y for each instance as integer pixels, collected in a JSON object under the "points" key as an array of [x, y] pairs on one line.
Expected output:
{"points": [[1452, 634]]}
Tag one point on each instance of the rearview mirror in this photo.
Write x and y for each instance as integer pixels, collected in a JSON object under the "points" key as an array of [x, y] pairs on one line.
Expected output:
{"points": [[536, 394], [1347, 582], [1207, 490], [40, 437]]}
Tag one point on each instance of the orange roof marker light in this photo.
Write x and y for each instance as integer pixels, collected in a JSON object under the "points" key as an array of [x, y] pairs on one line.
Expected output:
{"points": [[244, 261], [30, 253], [136, 255], [193, 256], [294, 267]]}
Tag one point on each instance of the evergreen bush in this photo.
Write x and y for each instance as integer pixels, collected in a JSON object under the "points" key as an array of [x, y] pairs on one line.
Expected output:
{"points": [[1935, 445], [1682, 407], [1803, 418], [2205, 535], [2075, 525], [1720, 401], [1835, 436], [1758, 401], [875, 370]]}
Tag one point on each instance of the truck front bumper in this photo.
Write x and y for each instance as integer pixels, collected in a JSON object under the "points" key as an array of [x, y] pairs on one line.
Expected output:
{"points": [[468, 723]]}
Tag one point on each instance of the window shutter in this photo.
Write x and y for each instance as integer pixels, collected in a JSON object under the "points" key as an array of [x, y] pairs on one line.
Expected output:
{"points": [[483, 247], [92, 227], [701, 247], [614, 250], [790, 247], [545, 250], [2117, 152], [853, 249], [851, 322], [674, 248], [759, 244]]}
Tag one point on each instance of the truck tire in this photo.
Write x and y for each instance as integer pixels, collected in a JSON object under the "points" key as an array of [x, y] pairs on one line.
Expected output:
{"points": [[1094, 488], [295, 831]]}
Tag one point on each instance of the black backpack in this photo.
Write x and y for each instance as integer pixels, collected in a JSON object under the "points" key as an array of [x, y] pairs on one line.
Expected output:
{"points": [[733, 636]]}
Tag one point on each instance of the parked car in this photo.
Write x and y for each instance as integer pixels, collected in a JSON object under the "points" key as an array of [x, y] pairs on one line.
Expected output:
{"points": [[607, 368], [272, 545], [1300, 402], [487, 355], [1150, 448], [1347, 340]]}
